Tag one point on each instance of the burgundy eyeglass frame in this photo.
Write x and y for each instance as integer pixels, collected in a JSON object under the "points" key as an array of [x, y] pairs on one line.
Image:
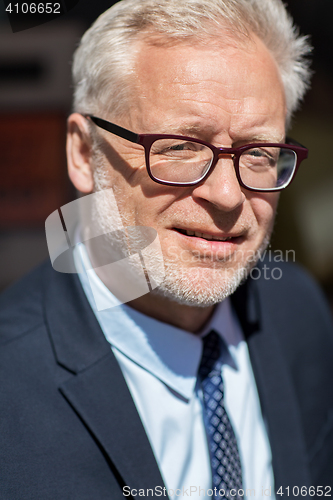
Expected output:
{"points": [[147, 140]]}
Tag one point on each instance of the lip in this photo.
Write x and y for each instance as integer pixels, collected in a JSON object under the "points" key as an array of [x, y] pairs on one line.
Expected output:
{"points": [[211, 236], [210, 248]]}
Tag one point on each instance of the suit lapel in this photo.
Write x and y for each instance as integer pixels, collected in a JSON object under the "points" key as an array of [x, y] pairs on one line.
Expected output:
{"points": [[275, 387], [96, 388]]}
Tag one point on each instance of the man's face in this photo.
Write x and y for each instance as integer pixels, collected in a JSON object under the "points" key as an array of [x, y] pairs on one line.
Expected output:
{"points": [[228, 95]]}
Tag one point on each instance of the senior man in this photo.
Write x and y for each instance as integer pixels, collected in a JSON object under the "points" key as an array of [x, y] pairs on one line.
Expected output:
{"points": [[180, 112]]}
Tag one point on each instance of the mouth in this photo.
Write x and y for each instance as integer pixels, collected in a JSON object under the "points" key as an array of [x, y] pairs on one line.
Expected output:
{"points": [[207, 236]]}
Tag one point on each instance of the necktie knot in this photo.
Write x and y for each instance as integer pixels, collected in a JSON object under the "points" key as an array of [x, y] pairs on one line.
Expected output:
{"points": [[210, 354]]}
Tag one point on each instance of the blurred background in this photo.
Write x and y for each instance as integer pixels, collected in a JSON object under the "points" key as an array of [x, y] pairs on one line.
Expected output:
{"points": [[35, 99]]}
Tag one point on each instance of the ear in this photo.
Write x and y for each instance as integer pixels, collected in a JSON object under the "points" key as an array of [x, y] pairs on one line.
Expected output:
{"points": [[79, 153]]}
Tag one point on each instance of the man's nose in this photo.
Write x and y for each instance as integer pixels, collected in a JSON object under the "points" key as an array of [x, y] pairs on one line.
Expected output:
{"points": [[222, 188]]}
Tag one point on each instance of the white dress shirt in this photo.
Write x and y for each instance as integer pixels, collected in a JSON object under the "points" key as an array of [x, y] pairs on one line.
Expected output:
{"points": [[160, 363]]}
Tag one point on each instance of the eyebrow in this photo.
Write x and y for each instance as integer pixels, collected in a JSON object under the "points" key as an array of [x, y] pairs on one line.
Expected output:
{"points": [[266, 138], [190, 129]]}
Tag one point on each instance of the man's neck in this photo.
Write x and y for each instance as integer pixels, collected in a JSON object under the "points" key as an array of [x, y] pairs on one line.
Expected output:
{"points": [[189, 318]]}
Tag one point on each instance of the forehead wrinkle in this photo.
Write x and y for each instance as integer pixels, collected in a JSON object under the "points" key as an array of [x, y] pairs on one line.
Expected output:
{"points": [[205, 108], [227, 104], [205, 122], [220, 93], [203, 117]]}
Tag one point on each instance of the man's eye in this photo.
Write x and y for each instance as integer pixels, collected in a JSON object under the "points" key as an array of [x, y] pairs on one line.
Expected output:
{"points": [[261, 155], [256, 152], [185, 146], [165, 147]]}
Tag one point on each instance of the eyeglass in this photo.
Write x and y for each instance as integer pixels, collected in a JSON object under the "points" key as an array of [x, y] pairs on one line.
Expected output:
{"points": [[176, 160]]}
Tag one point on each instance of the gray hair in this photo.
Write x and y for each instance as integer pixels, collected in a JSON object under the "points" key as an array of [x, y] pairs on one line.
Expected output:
{"points": [[103, 69]]}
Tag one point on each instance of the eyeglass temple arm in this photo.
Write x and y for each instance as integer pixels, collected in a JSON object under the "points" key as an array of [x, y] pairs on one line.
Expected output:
{"points": [[115, 129]]}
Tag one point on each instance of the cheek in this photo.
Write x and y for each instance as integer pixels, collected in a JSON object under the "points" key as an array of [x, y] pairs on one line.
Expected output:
{"points": [[138, 209], [264, 209]]}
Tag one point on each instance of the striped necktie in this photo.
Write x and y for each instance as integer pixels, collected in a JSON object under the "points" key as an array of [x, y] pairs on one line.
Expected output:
{"points": [[224, 454]]}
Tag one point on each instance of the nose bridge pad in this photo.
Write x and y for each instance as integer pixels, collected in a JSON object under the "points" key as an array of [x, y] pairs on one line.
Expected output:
{"points": [[226, 156]]}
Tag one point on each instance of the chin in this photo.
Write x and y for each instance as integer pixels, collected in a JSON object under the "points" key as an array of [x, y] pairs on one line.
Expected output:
{"points": [[201, 287]]}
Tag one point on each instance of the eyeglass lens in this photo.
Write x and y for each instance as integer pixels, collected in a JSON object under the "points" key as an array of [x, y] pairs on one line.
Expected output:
{"points": [[182, 161]]}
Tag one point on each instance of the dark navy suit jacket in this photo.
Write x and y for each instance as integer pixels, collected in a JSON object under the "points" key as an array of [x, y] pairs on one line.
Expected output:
{"points": [[69, 428]]}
